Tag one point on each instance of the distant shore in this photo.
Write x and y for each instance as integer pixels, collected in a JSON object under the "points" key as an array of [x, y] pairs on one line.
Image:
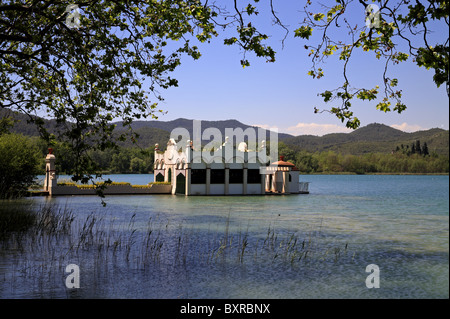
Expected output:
{"points": [[302, 173], [378, 173]]}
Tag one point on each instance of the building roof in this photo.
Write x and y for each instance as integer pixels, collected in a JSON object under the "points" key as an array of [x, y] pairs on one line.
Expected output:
{"points": [[283, 163]]}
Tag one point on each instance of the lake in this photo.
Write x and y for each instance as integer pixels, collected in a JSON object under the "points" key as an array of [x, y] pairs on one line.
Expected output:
{"points": [[291, 246]]}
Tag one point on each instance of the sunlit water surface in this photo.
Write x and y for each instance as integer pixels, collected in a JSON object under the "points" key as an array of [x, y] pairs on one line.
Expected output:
{"points": [[297, 246]]}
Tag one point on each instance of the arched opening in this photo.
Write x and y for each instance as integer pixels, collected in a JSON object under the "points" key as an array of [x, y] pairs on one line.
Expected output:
{"points": [[170, 175], [181, 184], [270, 188], [159, 177]]}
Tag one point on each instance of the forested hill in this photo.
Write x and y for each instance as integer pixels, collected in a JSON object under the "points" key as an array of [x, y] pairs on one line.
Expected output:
{"points": [[149, 135], [188, 124], [373, 138]]}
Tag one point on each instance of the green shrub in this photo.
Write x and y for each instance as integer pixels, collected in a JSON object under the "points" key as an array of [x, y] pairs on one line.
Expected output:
{"points": [[19, 164], [141, 186]]}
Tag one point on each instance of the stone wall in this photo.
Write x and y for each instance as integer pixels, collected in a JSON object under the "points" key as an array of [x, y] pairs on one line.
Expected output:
{"points": [[62, 190]]}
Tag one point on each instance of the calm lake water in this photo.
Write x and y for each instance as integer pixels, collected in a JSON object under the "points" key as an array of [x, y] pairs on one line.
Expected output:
{"points": [[296, 246]]}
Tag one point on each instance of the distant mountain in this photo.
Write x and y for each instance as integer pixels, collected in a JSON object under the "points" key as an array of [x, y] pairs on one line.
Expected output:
{"points": [[371, 138], [148, 136], [152, 132], [188, 124], [22, 124]]}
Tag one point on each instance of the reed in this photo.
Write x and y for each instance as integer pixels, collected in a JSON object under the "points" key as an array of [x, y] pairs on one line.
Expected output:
{"points": [[54, 237], [15, 216]]}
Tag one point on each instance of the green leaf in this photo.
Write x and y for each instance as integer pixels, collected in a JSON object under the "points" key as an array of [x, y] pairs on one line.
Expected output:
{"points": [[399, 107], [327, 95], [230, 41], [303, 32], [245, 63], [384, 106], [318, 16], [312, 73], [353, 124]]}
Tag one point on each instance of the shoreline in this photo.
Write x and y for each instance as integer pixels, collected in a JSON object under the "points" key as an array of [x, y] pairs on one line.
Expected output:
{"points": [[353, 173], [302, 173]]}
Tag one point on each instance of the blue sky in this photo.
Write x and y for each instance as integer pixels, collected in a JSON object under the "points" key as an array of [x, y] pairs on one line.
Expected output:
{"points": [[282, 95]]}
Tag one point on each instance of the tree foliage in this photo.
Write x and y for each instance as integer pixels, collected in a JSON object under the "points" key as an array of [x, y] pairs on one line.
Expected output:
{"points": [[19, 164], [414, 149], [86, 64], [126, 160], [395, 31], [397, 163]]}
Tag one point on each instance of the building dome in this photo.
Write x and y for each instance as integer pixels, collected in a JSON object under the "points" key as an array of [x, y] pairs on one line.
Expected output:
{"points": [[282, 163]]}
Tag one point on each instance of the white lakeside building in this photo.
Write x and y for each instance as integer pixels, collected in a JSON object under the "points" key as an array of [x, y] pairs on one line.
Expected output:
{"points": [[189, 174]]}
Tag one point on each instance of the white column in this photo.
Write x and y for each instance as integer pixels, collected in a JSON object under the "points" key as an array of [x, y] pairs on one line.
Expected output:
{"points": [[188, 167], [274, 181], [188, 181], [174, 181], [51, 179]]}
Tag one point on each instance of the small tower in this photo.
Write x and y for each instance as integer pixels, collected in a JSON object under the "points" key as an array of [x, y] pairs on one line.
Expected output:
{"points": [[280, 179], [50, 172]]}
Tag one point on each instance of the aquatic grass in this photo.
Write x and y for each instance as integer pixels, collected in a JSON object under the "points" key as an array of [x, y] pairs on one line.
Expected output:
{"points": [[15, 216], [160, 242], [97, 241]]}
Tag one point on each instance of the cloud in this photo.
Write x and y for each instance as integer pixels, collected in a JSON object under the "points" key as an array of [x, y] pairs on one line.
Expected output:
{"points": [[267, 127], [316, 129], [405, 127], [323, 129]]}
